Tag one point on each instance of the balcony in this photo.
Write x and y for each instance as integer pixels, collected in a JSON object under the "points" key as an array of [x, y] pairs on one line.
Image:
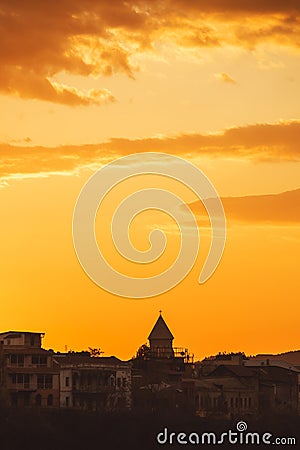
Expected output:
{"points": [[175, 352]]}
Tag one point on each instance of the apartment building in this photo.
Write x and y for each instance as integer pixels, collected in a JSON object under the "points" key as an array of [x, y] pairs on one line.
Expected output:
{"points": [[94, 383], [29, 374]]}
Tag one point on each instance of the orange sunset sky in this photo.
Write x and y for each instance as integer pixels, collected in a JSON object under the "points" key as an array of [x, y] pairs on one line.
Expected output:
{"points": [[216, 82]]}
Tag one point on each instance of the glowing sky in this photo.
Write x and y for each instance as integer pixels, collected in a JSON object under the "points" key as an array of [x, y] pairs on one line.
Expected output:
{"points": [[83, 82]]}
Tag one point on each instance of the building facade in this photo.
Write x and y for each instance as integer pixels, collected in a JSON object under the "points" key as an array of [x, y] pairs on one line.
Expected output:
{"points": [[94, 383], [29, 374]]}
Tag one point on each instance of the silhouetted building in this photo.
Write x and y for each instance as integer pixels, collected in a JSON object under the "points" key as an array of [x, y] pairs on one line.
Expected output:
{"points": [[289, 360], [29, 376], [242, 391], [161, 340], [207, 365], [161, 378], [94, 383], [228, 391], [278, 388], [157, 373]]}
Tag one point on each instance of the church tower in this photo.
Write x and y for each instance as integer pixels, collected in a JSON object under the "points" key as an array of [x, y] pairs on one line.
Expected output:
{"points": [[161, 340]]}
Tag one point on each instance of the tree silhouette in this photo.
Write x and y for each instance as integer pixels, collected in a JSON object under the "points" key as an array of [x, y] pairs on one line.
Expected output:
{"points": [[143, 352], [95, 352]]}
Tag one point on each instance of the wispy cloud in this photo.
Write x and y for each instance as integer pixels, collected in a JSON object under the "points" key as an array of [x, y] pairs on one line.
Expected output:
{"points": [[224, 77], [259, 142]]}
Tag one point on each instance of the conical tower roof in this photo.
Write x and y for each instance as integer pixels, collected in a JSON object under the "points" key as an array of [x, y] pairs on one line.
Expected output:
{"points": [[160, 330]]}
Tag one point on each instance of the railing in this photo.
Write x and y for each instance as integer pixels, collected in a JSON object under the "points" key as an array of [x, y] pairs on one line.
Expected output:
{"points": [[175, 352]]}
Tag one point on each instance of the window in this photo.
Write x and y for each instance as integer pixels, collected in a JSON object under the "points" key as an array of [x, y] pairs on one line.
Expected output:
{"points": [[13, 359], [124, 380], [44, 381], [119, 382], [32, 341], [236, 402], [67, 401], [231, 402], [249, 402], [16, 360], [50, 400], [22, 379], [67, 381], [38, 360]]}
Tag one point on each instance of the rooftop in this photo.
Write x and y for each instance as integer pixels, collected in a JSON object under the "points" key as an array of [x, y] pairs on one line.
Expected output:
{"points": [[160, 330], [84, 359], [15, 334]]}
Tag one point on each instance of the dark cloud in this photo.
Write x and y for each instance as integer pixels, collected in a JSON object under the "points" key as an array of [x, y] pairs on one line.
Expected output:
{"points": [[40, 39], [34, 86], [283, 208], [257, 142], [238, 6]]}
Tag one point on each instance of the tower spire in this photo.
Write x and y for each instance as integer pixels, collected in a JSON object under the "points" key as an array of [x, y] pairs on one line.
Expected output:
{"points": [[160, 339]]}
